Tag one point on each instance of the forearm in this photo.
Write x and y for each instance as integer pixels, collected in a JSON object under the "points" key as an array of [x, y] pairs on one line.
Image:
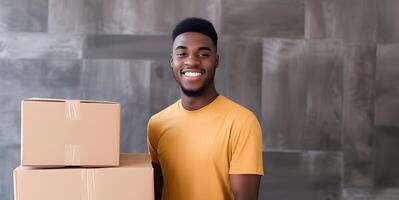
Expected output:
{"points": [[158, 181], [245, 197], [158, 190], [245, 186]]}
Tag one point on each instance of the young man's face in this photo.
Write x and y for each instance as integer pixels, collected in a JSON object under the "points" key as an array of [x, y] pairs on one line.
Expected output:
{"points": [[194, 60]]}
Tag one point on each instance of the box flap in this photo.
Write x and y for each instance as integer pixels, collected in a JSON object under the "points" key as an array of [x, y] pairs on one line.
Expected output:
{"points": [[65, 100], [45, 99], [95, 101]]}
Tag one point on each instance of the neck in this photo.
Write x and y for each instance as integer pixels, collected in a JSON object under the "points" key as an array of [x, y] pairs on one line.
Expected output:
{"points": [[195, 103]]}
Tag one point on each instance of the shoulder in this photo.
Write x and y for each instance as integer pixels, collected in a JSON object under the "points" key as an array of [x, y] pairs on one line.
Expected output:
{"points": [[242, 119], [164, 115], [159, 121], [236, 110]]}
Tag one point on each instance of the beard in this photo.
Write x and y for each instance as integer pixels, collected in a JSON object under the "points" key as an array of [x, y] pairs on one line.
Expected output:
{"points": [[199, 92], [193, 93]]}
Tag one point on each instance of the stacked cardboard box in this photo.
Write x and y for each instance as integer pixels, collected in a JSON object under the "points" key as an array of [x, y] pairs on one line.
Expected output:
{"points": [[70, 150], [131, 180]]}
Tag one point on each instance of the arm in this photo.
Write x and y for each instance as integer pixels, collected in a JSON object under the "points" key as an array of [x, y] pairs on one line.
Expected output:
{"points": [[158, 181], [245, 186]]}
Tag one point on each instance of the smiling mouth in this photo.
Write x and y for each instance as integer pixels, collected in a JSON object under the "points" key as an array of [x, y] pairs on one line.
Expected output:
{"points": [[192, 73]]}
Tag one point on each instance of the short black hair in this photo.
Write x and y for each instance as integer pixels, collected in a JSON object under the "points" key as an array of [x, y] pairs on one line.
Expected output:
{"points": [[194, 24]]}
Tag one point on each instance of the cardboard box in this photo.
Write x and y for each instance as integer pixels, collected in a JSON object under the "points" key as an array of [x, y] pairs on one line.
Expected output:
{"points": [[133, 179], [57, 132]]}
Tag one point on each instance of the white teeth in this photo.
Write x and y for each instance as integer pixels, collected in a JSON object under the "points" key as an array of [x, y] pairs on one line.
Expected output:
{"points": [[192, 74]]}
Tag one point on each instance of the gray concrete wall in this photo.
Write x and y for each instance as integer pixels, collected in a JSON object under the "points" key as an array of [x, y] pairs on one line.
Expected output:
{"points": [[321, 75]]}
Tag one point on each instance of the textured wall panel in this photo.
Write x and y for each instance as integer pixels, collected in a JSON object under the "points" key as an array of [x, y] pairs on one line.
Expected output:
{"points": [[386, 156], [87, 16], [148, 17], [242, 60], [356, 194], [351, 20], [358, 115], [220, 76], [207, 9], [127, 82], [266, 18], [164, 89], [386, 194], [302, 94], [388, 25], [387, 85], [119, 16], [371, 194], [128, 47], [9, 160], [23, 15], [25, 45], [280, 57], [301, 176]]}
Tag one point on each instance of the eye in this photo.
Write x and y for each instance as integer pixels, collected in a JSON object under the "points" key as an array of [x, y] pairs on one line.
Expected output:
{"points": [[204, 54], [181, 54]]}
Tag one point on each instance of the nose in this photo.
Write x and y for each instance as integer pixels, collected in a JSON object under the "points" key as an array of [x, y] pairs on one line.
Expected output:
{"points": [[191, 60]]}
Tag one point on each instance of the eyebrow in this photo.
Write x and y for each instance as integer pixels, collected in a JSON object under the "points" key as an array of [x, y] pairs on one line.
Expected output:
{"points": [[181, 47], [205, 48], [201, 48]]}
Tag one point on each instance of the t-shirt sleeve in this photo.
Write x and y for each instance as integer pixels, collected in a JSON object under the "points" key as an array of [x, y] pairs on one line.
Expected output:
{"points": [[246, 147], [152, 141]]}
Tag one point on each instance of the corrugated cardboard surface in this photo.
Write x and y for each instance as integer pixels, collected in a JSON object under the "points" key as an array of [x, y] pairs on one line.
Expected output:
{"points": [[133, 179], [69, 133]]}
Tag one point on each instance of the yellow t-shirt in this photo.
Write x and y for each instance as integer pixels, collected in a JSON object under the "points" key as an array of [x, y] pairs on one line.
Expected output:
{"points": [[197, 150]]}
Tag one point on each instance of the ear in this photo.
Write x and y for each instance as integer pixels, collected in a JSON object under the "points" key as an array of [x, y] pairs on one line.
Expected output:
{"points": [[217, 60], [171, 59]]}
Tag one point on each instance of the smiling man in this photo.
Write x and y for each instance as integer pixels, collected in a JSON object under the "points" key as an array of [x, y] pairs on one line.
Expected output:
{"points": [[204, 146]]}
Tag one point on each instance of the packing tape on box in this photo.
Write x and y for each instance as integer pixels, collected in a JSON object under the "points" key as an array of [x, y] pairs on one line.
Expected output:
{"points": [[72, 154], [88, 184], [72, 109], [16, 182]]}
